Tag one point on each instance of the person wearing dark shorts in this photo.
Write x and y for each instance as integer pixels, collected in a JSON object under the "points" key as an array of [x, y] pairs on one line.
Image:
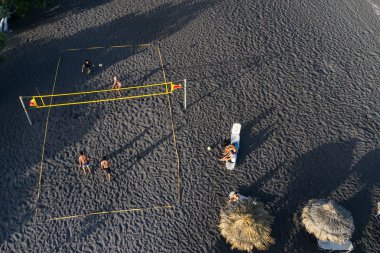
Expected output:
{"points": [[84, 162], [105, 166], [86, 67]]}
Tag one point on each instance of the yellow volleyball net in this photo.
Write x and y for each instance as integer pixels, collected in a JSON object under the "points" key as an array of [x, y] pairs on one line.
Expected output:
{"points": [[98, 96]]}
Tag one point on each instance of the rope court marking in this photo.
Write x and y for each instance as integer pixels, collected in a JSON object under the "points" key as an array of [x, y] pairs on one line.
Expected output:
{"points": [[112, 46], [50, 105], [173, 131], [45, 133], [109, 212]]}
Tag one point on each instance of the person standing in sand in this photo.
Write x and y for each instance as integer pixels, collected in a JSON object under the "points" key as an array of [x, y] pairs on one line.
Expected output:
{"points": [[86, 67], [84, 162], [116, 85], [105, 166]]}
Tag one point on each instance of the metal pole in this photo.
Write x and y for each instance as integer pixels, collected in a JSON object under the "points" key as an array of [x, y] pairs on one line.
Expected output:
{"points": [[184, 89], [26, 112]]}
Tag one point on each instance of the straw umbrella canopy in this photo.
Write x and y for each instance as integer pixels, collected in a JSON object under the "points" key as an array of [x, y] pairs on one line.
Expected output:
{"points": [[328, 221], [246, 225]]}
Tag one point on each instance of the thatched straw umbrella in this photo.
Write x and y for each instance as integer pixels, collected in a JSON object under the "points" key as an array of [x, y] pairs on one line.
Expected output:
{"points": [[328, 221], [246, 225]]}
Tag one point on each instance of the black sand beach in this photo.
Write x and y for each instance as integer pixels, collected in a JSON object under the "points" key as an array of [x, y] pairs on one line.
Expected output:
{"points": [[301, 77]]}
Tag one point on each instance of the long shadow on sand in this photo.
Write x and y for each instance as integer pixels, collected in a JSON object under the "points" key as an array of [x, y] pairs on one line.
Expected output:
{"points": [[136, 28], [54, 11], [313, 175], [250, 142], [142, 154], [363, 203], [127, 146], [248, 65]]}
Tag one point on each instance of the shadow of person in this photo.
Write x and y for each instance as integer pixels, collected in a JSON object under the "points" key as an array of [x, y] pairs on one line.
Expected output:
{"points": [[129, 144], [363, 203], [250, 142]]}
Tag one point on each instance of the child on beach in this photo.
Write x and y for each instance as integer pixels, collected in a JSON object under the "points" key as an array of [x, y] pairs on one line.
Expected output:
{"points": [[116, 85], [84, 162], [105, 166]]}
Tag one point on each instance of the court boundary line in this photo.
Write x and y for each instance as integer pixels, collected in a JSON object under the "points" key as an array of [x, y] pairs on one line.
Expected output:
{"points": [[45, 137], [45, 133], [173, 130]]}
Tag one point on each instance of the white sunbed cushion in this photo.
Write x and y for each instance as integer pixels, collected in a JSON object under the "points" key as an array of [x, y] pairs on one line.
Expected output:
{"points": [[327, 245]]}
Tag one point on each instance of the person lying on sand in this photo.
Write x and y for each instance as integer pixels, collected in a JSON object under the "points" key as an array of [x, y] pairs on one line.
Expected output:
{"points": [[86, 67], [116, 85], [105, 166], [234, 197], [84, 162]]}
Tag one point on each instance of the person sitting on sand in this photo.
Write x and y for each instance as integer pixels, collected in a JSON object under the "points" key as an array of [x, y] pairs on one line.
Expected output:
{"points": [[86, 67], [116, 85], [105, 166], [229, 153], [84, 162], [228, 156], [234, 197]]}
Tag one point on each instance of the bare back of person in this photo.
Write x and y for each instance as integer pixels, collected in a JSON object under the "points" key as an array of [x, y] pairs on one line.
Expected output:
{"points": [[82, 160], [116, 85], [105, 166]]}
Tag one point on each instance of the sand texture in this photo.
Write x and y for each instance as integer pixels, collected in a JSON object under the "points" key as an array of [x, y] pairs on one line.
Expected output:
{"points": [[302, 77]]}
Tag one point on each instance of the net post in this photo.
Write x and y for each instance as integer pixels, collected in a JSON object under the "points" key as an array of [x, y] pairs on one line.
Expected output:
{"points": [[184, 94], [26, 112]]}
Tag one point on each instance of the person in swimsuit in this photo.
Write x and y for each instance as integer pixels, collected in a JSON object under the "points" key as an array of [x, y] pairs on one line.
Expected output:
{"points": [[86, 67], [105, 166], [229, 148], [229, 153], [116, 85], [228, 156], [235, 197], [84, 162]]}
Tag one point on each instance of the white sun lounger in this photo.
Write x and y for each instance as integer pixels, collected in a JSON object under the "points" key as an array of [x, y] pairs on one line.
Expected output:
{"points": [[235, 140], [331, 246]]}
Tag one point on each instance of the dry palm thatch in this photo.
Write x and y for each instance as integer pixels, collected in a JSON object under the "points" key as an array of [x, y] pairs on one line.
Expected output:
{"points": [[328, 221], [246, 225]]}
